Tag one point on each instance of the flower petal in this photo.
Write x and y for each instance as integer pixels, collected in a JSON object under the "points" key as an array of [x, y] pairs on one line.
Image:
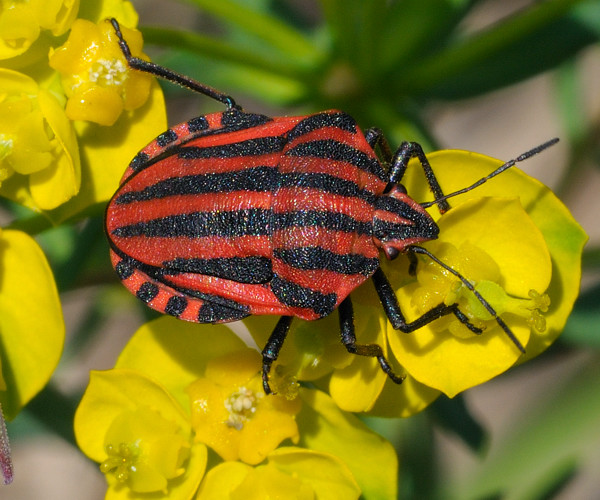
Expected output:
{"points": [[121, 10], [221, 480], [18, 29], [455, 170], [179, 352], [356, 387], [449, 363], [110, 393], [267, 481], [53, 186], [55, 15], [509, 237], [403, 400], [371, 459], [328, 476], [231, 413], [31, 323]]}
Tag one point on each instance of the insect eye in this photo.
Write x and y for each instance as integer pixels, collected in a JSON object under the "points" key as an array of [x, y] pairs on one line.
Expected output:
{"points": [[391, 253]]}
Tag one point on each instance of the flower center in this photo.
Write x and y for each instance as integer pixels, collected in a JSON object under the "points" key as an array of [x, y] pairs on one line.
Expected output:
{"points": [[241, 406], [108, 73], [121, 461]]}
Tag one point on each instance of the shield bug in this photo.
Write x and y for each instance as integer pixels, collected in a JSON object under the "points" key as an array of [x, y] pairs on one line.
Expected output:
{"points": [[234, 213]]}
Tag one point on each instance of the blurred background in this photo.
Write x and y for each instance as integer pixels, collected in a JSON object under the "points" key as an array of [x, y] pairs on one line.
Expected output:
{"points": [[426, 71]]}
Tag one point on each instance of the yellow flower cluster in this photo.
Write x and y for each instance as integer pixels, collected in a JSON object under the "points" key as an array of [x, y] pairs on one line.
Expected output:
{"points": [[53, 161], [95, 76], [150, 421], [52, 93]]}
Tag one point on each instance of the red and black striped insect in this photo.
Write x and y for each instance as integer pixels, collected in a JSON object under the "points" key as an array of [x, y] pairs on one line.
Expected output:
{"points": [[233, 213]]}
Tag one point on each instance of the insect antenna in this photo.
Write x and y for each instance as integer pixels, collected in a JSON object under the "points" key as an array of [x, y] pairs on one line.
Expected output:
{"points": [[485, 303], [499, 170]]}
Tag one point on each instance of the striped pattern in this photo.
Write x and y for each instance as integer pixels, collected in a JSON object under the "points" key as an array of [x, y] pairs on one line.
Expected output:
{"points": [[233, 214], [322, 244]]}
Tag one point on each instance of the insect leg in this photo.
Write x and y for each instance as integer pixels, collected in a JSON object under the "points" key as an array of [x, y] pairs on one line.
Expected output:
{"points": [[272, 348], [375, 137], [167, 74], [348, 337], [469, 285], [392, 308], [405, 152]]}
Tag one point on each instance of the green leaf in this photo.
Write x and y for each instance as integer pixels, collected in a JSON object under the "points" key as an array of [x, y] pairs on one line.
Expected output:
{"points": [[534, 54], [224, 52], [342, 29], [537, 39], [412, 29], [263, 26]]}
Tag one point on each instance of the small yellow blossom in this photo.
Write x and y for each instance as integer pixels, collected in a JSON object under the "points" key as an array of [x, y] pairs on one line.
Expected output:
{"points": [[21, 22], [145, 450], [140, 436], [211, 382], [37, 142], [232, 414], [95, 75], [502, 238]]}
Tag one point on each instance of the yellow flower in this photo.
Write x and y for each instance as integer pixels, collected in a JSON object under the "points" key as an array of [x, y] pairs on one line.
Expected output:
{"points": [[506, 264], [140, 436], [215, 380], [145, 450], [37, 142], [291, 473], [232, 414], [21, 22], [106, 151], [95, 76], [520, 248]]}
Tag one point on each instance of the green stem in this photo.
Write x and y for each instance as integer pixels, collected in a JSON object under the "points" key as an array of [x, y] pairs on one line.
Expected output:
{"points": [[41, 222]]}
